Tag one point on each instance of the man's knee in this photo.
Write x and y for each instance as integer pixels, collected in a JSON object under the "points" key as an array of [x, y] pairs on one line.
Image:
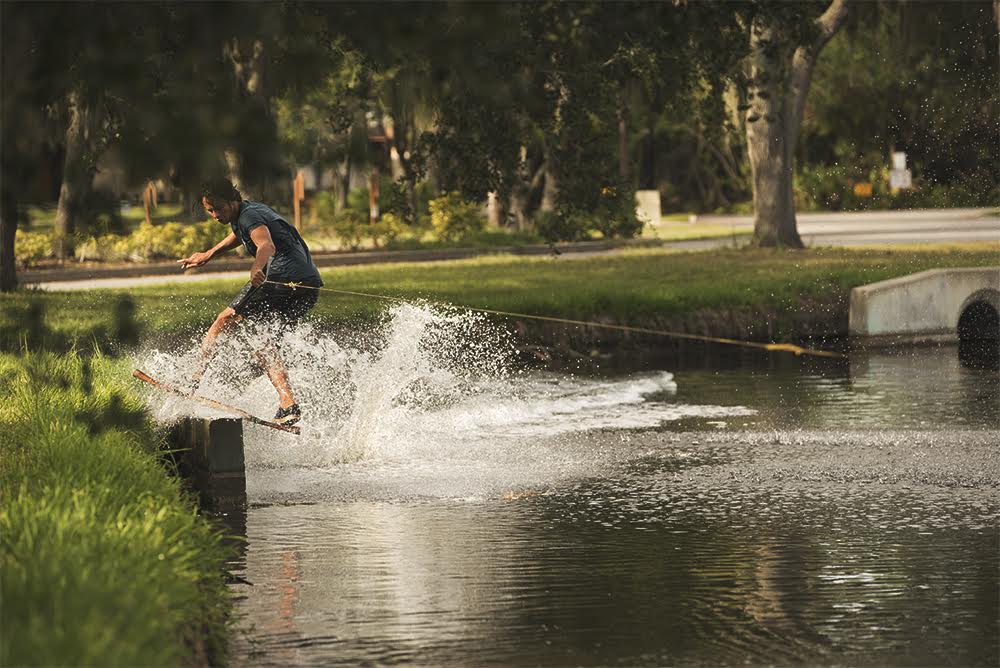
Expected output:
{"points": [[227, 317]]}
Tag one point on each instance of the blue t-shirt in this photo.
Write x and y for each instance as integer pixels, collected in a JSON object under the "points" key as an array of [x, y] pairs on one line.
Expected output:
{"points": [[292, 261]]}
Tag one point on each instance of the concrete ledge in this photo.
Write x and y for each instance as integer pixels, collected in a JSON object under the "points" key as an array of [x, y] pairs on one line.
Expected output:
{"points": [[921, 307], [210, 456], [891, 340]]}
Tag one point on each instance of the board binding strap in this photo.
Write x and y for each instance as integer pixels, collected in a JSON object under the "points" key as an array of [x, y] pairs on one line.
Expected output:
{"points": [[218, 405]]}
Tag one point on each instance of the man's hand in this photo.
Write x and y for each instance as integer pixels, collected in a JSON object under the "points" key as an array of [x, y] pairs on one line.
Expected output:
{"points": [[257, 277], [195, 260]]}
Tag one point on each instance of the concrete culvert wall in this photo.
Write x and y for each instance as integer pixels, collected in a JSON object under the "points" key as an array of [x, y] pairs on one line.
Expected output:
{"points": [[924, 307]]}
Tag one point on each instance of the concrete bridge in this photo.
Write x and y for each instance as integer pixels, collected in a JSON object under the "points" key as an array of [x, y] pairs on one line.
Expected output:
{"points": [[938, 305]]}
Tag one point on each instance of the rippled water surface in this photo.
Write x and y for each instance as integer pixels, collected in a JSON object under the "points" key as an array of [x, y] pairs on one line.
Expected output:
{"points": [[439, 509]]}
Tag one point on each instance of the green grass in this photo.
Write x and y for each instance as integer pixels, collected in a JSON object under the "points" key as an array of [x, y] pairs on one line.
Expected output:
{"points": [[681, 230], [42, 218], [629, 287], [103, 560]]}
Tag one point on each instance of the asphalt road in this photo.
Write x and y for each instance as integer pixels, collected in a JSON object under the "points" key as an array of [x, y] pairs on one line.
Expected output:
{"points": [[816, 229], [885, 227]]}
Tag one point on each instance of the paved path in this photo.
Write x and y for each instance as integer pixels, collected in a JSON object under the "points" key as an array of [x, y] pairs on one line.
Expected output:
{"points": [[816, 229]]}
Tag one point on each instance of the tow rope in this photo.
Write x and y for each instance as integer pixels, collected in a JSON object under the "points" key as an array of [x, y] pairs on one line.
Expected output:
{"points": [[770, 347]]}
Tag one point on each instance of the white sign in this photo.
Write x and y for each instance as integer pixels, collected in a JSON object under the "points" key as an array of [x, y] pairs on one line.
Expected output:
{"points": [[899, 160], [647, 206], [900, 179]]}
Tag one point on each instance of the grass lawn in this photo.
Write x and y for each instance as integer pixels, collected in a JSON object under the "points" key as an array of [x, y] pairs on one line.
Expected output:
{"points": [[681, 230], [628, 287], [42, 218], [104, 561]]}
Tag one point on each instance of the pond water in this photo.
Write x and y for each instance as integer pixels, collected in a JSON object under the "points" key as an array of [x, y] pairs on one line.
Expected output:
{"points": [[732, 509]]}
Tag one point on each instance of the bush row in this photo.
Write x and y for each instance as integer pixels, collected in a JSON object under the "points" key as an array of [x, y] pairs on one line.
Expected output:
{"points": [[451, 219], [147, 242], [831, 188], [104, 560]]}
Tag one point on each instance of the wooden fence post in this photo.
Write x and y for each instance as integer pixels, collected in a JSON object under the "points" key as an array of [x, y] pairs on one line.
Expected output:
{"points": [[298, 194], [149, 201]]}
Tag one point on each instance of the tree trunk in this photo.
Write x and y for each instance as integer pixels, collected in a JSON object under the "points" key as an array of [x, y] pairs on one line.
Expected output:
{"points": [[401, 143], [774, 208], [767, 142], [494, 209], [189, 208], [233, 170], [8, 231], [996, 14], [776, 98], [550, 192], [526, 189], [345, 185], [623, 143], [260, 169], [374, 181], [411, 200], [77, 176]]}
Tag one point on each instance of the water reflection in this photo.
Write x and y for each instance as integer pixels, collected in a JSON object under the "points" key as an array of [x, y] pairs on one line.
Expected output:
{"points": [[980, 354], [696, 551]]}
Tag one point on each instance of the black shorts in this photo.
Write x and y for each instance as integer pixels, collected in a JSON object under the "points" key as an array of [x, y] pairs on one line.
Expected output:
{"points": [[274, 302]]}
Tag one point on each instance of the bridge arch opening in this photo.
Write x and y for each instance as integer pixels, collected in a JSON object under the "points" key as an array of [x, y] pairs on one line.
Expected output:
{"points": [[979, 336]]}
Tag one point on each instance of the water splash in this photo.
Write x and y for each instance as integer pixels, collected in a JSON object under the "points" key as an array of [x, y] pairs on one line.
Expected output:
{"points": [[426, 385]]}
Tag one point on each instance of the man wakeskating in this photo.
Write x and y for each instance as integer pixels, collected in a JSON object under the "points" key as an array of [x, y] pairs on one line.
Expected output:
{"points": [[280, 256]]}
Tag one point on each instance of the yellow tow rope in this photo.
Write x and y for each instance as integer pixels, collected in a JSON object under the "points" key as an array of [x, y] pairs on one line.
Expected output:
{"points": [[770, 347]]}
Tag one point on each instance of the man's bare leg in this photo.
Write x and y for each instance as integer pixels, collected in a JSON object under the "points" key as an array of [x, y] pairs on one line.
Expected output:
{"points": [[224, 321], [268, 359], [277, 373]]}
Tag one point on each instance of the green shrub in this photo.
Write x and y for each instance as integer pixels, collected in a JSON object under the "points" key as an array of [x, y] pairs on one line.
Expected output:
{"points": [[30, 247], [453, 218], [325, 203], [613, 220], [106, 248], [171, 240], [351, 227], [152, 242], [559, 226], [976, 191], [831, 188], [823, 188], [389, 228], [612, 214]]}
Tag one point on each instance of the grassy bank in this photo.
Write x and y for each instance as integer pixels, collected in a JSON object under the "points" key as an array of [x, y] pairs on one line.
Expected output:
{"points": [[103, 560], [757, 294]]}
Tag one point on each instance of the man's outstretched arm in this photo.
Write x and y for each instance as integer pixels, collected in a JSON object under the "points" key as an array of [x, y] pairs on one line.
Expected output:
{"points": [[198, 259]]}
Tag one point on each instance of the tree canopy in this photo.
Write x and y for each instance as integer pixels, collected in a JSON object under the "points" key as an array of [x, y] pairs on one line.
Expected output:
{"points": [[559, 111]]}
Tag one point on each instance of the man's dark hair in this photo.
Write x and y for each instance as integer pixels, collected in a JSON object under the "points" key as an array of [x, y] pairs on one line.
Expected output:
{"points": [[220, 189]]}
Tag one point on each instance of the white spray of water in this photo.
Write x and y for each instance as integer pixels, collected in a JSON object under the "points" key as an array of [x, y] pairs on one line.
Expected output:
{"points": [[427, 386]]}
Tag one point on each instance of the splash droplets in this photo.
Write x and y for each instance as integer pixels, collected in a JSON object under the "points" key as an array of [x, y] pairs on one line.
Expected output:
{"points": [[427, 384]]}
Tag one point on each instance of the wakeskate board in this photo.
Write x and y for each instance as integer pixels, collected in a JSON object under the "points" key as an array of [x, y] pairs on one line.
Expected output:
{"points": [[232, 410]]}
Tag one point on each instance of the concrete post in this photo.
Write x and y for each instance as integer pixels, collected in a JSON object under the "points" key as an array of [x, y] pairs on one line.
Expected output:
{"points": [[211, 457]]}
